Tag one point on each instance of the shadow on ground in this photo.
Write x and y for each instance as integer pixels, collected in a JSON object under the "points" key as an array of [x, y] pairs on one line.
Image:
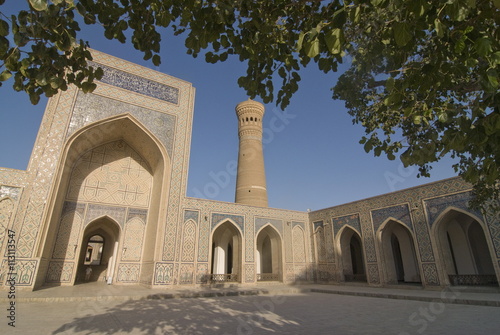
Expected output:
{"points": [[231, 315]]}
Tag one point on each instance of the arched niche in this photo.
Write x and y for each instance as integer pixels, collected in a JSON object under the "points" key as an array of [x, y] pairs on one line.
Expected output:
{"points": [[148, 153], [466, 258], [350, 251], [268, 254], [226, 260], [108, 232], [399, 259]]}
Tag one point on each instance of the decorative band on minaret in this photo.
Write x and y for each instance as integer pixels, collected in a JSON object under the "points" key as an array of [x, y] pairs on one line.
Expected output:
{"points": [[251, 178]]}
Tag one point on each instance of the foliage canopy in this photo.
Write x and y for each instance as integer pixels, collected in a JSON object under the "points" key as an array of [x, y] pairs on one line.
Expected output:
{"points": [[423, 75]]}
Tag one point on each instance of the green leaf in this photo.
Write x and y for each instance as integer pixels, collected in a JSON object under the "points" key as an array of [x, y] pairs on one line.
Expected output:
{"points": [[439, 26], [389, 84], [497, 3], [334, 40], [402, 33], [312, 48], [4, 28], [4, 46], [495, 57], [6, 74], [38, 5], [483, 46], [492, 77], [156, 60], [88, 87]]}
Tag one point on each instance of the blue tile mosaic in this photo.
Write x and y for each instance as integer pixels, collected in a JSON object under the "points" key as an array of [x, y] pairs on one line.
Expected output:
{"points": [[90, 108], [317, 224], [9, 191], [238, 219], [138, 84], [351, 220], [398, 212], [137, 212], [277, 224], [437, 205], [191, 215]]}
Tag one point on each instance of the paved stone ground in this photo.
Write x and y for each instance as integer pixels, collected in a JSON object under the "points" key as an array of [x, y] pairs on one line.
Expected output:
{"points": [[289, 313]]}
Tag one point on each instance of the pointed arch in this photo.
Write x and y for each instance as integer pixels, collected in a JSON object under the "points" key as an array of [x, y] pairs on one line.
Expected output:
{"points": [[268, 248], [111, 232], [147, 153], [226, 252], [350, 254], [465, 253], [397, 248]]}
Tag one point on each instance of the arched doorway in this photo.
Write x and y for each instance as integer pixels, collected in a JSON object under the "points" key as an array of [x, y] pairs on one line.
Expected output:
{"points": [[398, 254], [466, 258], [226, 253], [122, 168], [99, 251], [268, 257], [351, 255]]}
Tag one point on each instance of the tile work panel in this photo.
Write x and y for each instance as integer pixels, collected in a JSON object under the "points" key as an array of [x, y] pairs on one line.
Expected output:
{"points": [[91, 107], [434, 207], [398, 212], [350, 220], [138, 84]]}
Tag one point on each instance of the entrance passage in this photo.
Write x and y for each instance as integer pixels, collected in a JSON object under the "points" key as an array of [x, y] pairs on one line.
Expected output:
{"points": [[351, 251], [465, 252], [97, 259], [268, 257], [399, 254], [226, 253]]}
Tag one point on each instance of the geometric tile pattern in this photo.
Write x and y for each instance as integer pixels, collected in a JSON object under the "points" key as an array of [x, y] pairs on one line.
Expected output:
{"points": [[398, 212], [493, 222], [163, 273], [95, 211], [430, 274], [373, 274], [351, 220], [277, 224], [249, 273], [91, 107], [437, 205], [238, 219], [201, 273], [59, 272], [186, 274], [113, 174], [330, 250], [68, 236], [128, 272], [6, 211], [25, 270], [191, 215], [299, 249], [137, 84], [317, 224], [133, 239], [9, 191], [189, 242], [320, 242]]}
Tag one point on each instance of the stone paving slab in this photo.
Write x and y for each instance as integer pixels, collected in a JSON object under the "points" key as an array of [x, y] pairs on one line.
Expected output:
{"points": [[103, 292], [294, 313]]}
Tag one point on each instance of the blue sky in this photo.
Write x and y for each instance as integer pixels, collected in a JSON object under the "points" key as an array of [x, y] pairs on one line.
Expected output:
{"points": [[312, 155]]}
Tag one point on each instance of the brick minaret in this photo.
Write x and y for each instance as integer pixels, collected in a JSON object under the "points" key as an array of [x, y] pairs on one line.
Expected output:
{"points": [[251, 178]]}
